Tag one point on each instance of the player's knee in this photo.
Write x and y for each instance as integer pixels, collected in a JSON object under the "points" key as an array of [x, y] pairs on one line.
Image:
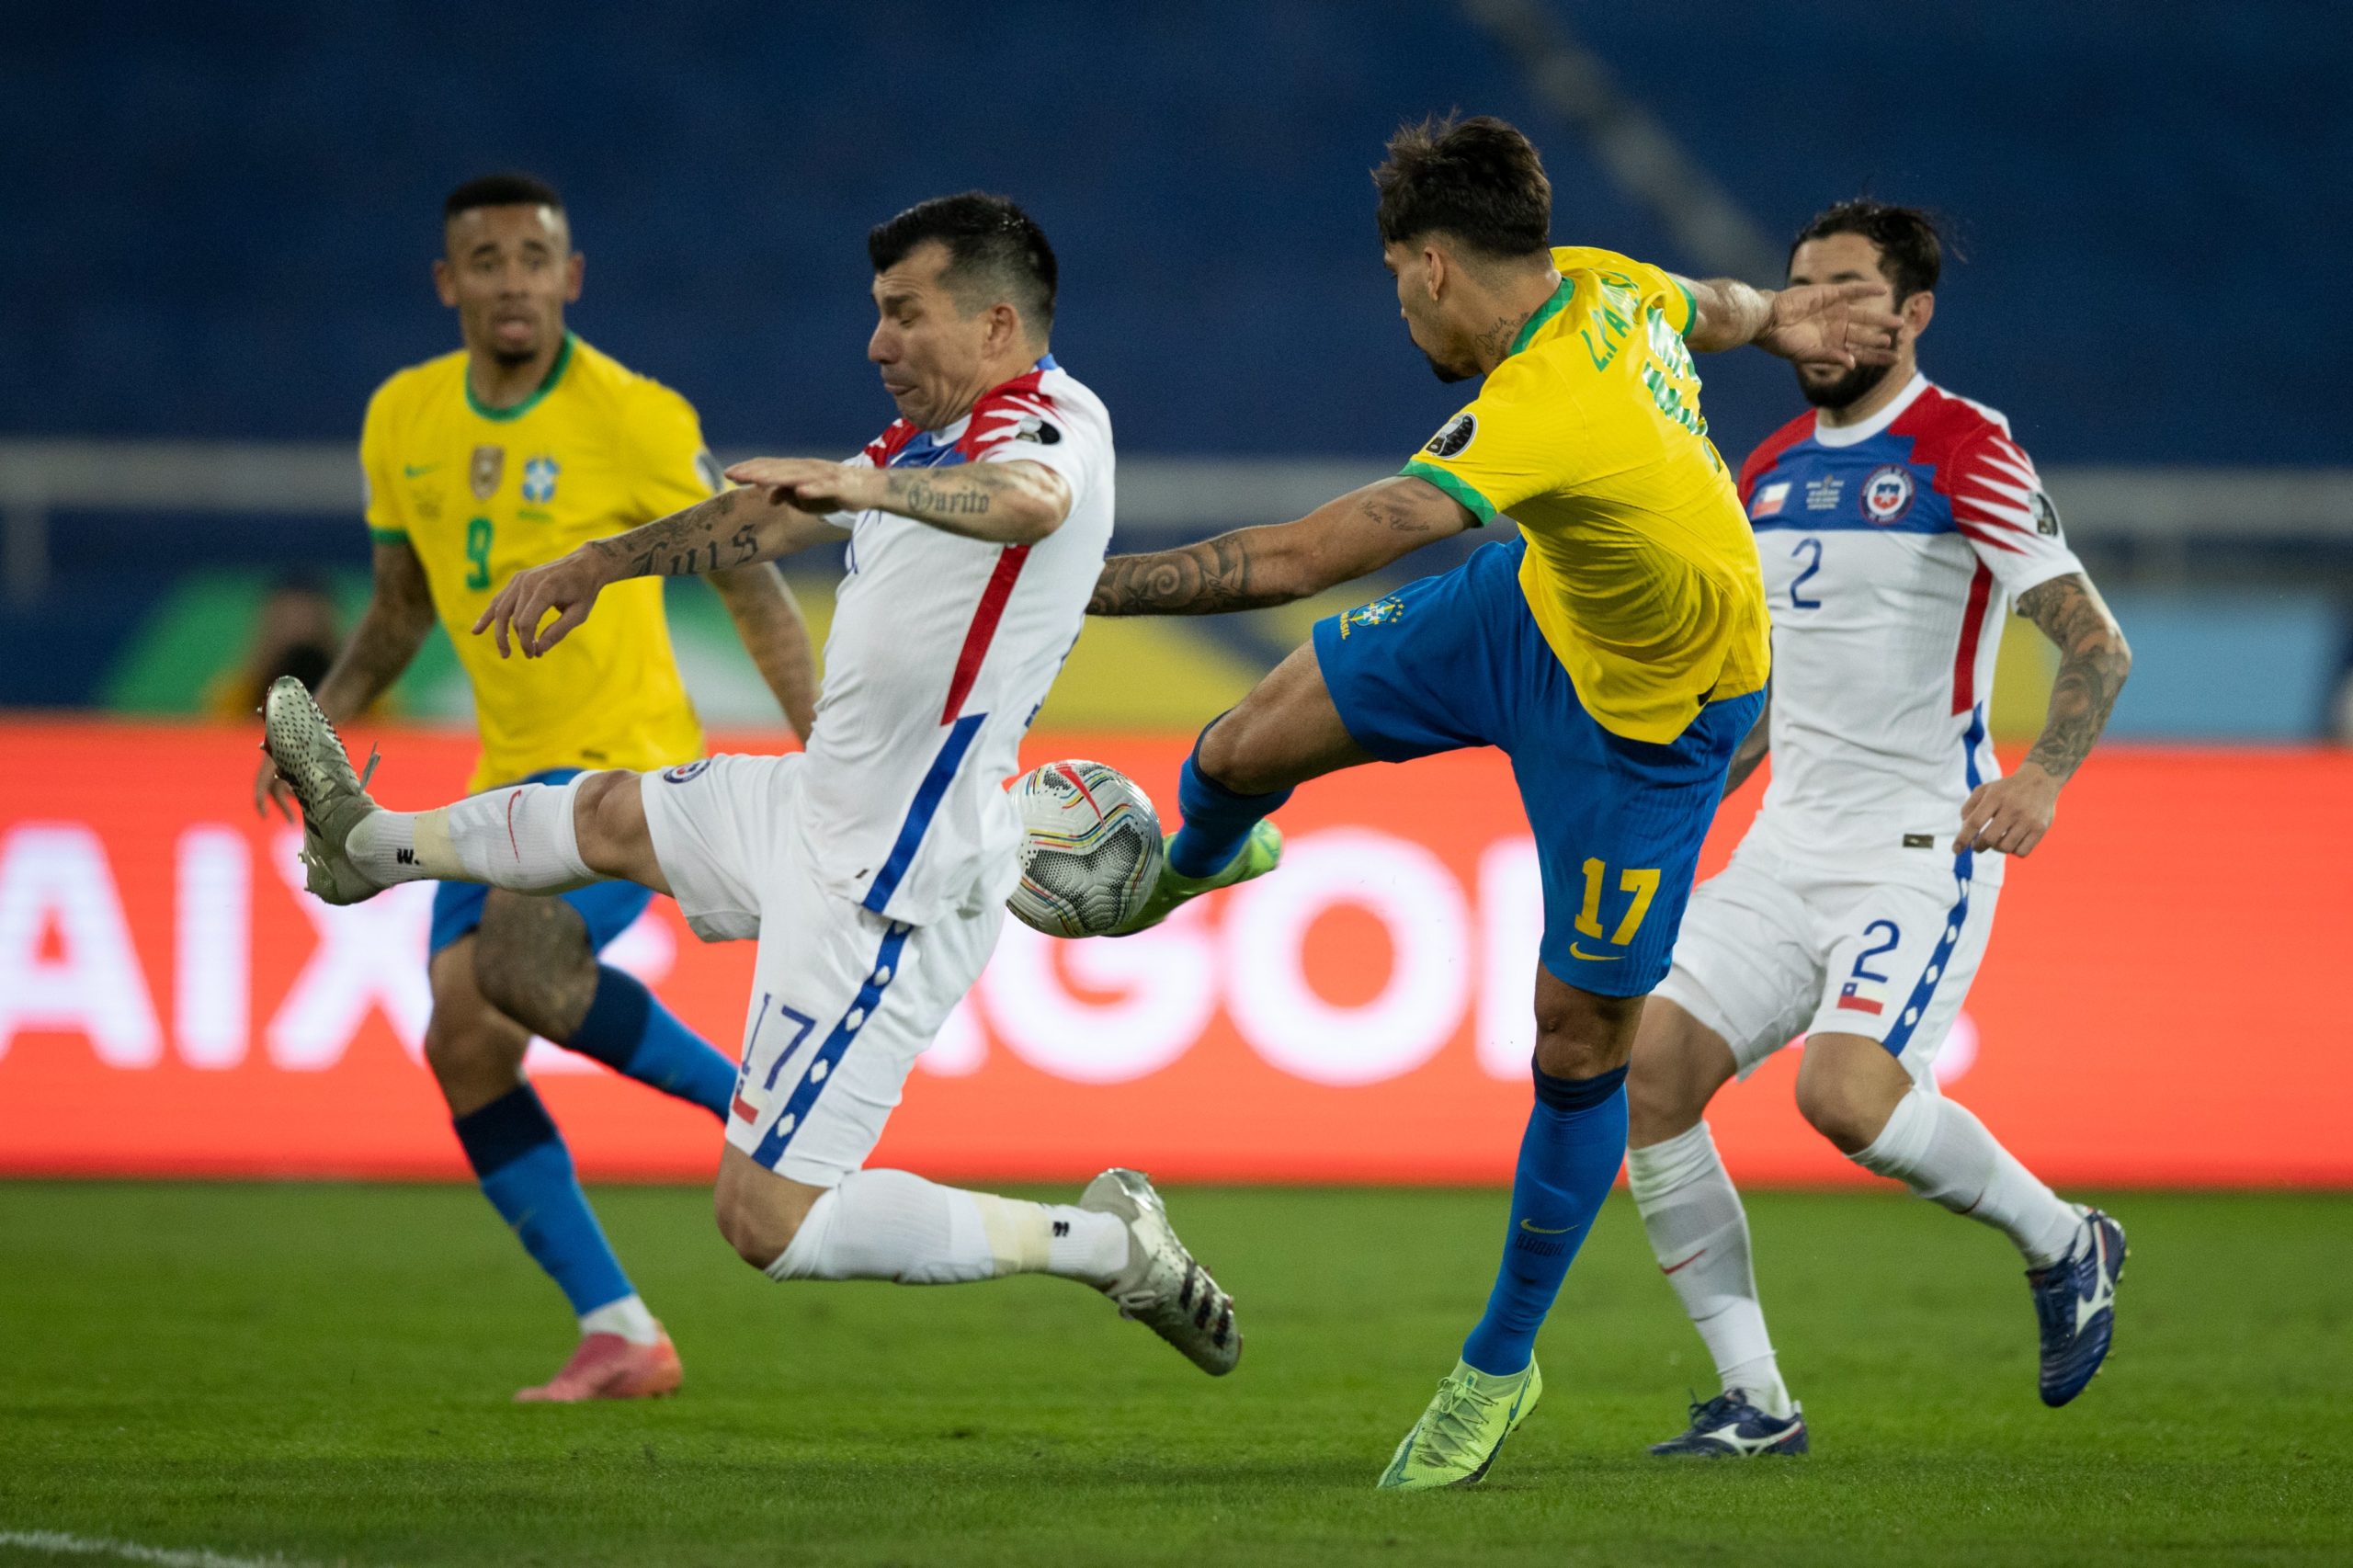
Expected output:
{"points": [[1843, 1107], [758, 1211], [759, 1234], [1580, 1034], [609, 821]]}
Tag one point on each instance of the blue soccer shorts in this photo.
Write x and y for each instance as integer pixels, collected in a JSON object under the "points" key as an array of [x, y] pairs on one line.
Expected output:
{"points": [[1456, 660], [608, 908]]}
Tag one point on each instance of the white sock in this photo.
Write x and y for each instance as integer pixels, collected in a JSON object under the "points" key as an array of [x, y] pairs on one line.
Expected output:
{"points": [[896, 1225], [1700, 1233], [522, 837], [626, 1317], [1941, 1152]]}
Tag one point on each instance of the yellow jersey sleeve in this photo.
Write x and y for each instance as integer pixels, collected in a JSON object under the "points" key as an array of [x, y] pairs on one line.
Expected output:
{"points": [[1514, 442], [1673, 295], [378, 490], [672, 468]]}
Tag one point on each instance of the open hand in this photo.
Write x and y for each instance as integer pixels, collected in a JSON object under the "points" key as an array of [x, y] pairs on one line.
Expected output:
{"points": [[2010, 814], [1833, 323], [568, 586], [812, 485]]}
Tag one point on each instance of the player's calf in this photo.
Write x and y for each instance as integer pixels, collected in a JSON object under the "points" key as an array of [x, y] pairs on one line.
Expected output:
{"points": [[475, 1054]]}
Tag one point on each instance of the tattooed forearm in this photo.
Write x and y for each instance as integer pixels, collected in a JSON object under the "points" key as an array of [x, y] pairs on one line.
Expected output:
{"points": [[397, 621], [709, 536], [768, 620], [1008, 503], [2093, 663], [1206, 579], [919, 497], [1252, 568]]}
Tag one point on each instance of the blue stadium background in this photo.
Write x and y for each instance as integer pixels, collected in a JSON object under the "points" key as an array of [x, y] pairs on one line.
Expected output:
{"points": [[222, 216]]}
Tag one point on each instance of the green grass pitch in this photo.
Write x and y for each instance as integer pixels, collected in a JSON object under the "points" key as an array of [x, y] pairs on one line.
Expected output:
{"points": [[321, 1374]]}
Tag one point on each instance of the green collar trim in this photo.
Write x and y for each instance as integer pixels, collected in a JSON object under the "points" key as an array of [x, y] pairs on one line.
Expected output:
{"points": [[547, 385], [1544, 313]]}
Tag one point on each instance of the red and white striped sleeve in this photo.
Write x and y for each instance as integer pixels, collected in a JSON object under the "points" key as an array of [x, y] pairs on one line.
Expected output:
{"points": [[1031, 419], [2000, 507]]}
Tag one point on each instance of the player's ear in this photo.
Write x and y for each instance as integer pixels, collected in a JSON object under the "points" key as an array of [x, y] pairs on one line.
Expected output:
{"points": [[1434, 269], [575, 268], [445, 281], [1004, 327], [1917, 311]]}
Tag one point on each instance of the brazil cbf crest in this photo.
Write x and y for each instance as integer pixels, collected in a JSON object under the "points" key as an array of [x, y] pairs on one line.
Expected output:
{"points": [[538, 480], [1380, 612], [1887, 493]]}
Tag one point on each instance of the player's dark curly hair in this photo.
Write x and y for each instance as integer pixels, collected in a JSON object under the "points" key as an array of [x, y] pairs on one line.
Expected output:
{"points": [[1478, 181], [992, 243], [1911, 252], [507, 189]]}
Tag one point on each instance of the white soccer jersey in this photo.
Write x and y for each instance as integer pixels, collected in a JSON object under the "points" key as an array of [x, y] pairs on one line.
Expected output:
{"points": [[941, 653], [1891, 550]]}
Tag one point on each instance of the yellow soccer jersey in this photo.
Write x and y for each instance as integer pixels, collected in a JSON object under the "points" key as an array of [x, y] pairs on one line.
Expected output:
{"points": [[1640, 568], [482, 493]]}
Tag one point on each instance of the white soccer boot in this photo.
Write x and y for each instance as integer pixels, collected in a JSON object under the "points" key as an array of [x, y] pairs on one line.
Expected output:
{"points": [[334, 799], [1162, 1287]]}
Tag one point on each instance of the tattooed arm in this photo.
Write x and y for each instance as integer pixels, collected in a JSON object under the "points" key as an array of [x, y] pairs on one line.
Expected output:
{"points": [[1251, 568], [768, 618], [1751, 750], [2012, 814], [734, 529], [399, 616], [1001, 503]]}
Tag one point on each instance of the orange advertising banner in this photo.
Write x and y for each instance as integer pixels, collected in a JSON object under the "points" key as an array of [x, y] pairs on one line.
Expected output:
{"points": [[172, 1004]]}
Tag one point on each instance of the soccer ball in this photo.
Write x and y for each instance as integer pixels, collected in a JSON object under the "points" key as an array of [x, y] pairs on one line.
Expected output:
{"points": [[1090, 848]]}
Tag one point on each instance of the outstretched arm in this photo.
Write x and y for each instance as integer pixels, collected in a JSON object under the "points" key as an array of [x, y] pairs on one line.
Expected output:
{"points": [[2012, 814], [1828, 324], [1252, 568], [734, 527], [1001, 503]]}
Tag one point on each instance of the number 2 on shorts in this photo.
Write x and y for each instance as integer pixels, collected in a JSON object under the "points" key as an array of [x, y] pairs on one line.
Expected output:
{"points": [[1642, 883]]}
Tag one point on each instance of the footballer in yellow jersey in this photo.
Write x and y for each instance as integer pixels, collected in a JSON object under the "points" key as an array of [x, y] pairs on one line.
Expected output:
{"points": [[510, 453], [1615, 648], [479, 493], [1639, 566]]}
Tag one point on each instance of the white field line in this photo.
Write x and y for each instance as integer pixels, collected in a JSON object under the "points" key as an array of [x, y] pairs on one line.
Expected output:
{"points": [[65, 1545]]}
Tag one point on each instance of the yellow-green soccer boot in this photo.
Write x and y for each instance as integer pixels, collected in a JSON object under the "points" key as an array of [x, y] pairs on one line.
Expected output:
{"points": [[1463, 1430], [1260, 853]]}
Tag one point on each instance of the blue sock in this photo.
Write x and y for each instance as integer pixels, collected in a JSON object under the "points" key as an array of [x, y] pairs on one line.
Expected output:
{"points": [[1217, 819], [526, 1172], [1575, 1138], [630, 1031]]}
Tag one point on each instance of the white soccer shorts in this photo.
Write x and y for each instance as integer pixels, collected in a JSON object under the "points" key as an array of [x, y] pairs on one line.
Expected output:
{"points": [[842, 1000], [1771, 948]]}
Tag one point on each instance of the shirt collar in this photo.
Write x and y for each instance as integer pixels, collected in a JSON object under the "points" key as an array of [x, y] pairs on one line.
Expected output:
{"points": [[1855, 434]]}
